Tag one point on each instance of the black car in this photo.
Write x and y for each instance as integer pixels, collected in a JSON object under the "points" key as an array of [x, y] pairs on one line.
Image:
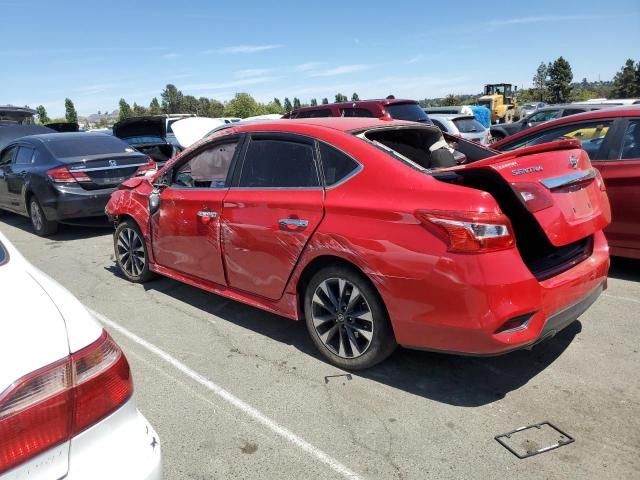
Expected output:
{"points": [[65, 177], [545, 114]]}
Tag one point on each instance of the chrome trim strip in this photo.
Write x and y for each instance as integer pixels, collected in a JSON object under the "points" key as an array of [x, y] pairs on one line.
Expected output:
{"points": [[105, 168], [569, 179]]}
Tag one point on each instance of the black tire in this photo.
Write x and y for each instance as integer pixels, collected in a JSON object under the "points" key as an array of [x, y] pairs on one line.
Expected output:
{"points": [[131, 254], [41, 225], [339, 323]]}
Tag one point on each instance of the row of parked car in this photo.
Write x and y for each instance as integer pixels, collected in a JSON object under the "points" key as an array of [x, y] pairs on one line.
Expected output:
{"points": [[374, 231]]}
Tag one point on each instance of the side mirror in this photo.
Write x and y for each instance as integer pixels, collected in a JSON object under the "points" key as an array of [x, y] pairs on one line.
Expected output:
{"points": [[154, 200]]}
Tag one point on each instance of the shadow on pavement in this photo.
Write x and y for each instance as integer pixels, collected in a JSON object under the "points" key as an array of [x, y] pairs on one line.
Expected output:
{"points": [[625, 269], [65, 232], [450, 379]]}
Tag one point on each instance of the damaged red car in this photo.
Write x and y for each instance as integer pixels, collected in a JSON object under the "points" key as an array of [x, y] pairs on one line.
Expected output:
{"points": [[376, 233]]}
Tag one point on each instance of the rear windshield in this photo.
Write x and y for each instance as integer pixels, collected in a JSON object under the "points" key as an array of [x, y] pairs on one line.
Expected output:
{"points": [[407, 111], [468, 125], [81, 145], [144, 140]]}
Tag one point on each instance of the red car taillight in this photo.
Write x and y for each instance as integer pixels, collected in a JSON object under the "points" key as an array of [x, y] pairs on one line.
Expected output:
{"points": [[52, 404], [470, 232], [64, 175], [150, 166], [535, 196]]}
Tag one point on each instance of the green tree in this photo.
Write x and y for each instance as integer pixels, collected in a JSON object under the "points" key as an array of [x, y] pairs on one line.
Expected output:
{"points": [[42, 114], [277, 102], [296, 103], [355, 97], [273, 107], [560, 77], [154, 106], [451, 100], [139, 110], [172, 99], [287, 105], [216, 108], [341, 98], [540, 81], [625, 82], [189, 104], [325, 101], [125, 110], [70, 111], [314, 102], [242, 105]]}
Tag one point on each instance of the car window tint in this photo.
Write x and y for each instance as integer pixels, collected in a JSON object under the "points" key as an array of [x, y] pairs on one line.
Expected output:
{"points": [[85, 144], [324, 112], [207, 169], [544, 116], [356, 112], [278, 163], [590, 134], [468, 125], [631, 141], [335, 164], [571, 111], [407, 111], [24, 156], [7, 155]]}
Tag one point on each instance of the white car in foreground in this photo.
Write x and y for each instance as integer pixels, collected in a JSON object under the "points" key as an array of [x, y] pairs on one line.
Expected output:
{"points": [[66, 393]]}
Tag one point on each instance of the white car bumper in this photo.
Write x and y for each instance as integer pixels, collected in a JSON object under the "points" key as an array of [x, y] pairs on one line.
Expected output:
{"points": [[123, 445]]}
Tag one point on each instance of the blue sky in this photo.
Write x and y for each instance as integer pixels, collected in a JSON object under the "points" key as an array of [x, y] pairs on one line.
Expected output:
{"points": [[97, 52]]}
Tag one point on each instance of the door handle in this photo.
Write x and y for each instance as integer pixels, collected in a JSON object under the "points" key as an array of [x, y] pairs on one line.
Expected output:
{"points": [[206, 214], [293, 223]]}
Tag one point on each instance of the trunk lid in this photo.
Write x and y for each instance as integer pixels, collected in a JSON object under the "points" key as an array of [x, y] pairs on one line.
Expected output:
{"points": [[557, 184], [106, 171], [141, 127]]}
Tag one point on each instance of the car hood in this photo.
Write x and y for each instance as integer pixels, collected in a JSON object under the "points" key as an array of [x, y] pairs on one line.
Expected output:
{"points": [[141, 127], [189, 130]]}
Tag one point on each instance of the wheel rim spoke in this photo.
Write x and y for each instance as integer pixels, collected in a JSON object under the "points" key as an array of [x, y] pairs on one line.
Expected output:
{"points": [[342, 318], [130, 251]]}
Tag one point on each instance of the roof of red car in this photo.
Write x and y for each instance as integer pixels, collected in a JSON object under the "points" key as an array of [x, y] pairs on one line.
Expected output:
{"points": [[627, 111], [337, 123]]}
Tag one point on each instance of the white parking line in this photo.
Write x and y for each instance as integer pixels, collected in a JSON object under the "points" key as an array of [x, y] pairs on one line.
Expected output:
{"points": [[235, 401], [628, 299]]}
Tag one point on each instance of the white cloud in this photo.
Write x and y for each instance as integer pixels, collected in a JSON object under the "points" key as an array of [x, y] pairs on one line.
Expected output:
{"points": [[305, 67], [171, 56], [241, 49], [416, 59], [341, 70], [541, 19], [252, 72]]}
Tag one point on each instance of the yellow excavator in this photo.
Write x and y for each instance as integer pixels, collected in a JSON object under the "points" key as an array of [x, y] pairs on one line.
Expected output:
{"points": [[500, 99]]}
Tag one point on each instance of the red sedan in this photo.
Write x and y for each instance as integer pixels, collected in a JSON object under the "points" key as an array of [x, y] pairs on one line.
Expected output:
{"points": [[369, 231], [612, 139]]}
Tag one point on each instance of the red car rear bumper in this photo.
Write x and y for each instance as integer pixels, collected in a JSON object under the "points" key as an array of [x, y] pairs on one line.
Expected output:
{"points": [[464, 300]]}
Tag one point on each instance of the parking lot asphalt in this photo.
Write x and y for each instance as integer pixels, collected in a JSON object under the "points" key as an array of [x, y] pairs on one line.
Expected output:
{"points": [[235, 392]]}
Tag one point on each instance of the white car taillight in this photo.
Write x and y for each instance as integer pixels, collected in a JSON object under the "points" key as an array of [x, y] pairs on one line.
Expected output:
{"points": [[49, 406]]}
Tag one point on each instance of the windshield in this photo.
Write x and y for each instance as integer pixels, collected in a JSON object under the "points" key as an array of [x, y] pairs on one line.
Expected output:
{"points": [[407, 111], [485, 103], [468, 125], [85, 145]]}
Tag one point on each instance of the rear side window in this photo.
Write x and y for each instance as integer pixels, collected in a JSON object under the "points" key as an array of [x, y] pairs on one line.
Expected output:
{"points": [[85, 144], [324, 112], [356, 112], [335, 164], [468, 125], [544, 116], [7, 155], [25, 156], [631, 141], [438, 124], [278, 164]]}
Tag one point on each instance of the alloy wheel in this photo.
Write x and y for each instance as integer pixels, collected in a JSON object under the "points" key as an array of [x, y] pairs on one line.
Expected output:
{"points": [[130, 250], [342, 318], [36, 216]]}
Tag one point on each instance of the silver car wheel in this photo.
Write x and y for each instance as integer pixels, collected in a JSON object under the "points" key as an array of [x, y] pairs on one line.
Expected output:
{"points": [[342, 318], [130, 251], [36, 216]]}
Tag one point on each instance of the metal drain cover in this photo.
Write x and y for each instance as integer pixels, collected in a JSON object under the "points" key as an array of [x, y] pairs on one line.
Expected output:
{"points": [[528, 441]]}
